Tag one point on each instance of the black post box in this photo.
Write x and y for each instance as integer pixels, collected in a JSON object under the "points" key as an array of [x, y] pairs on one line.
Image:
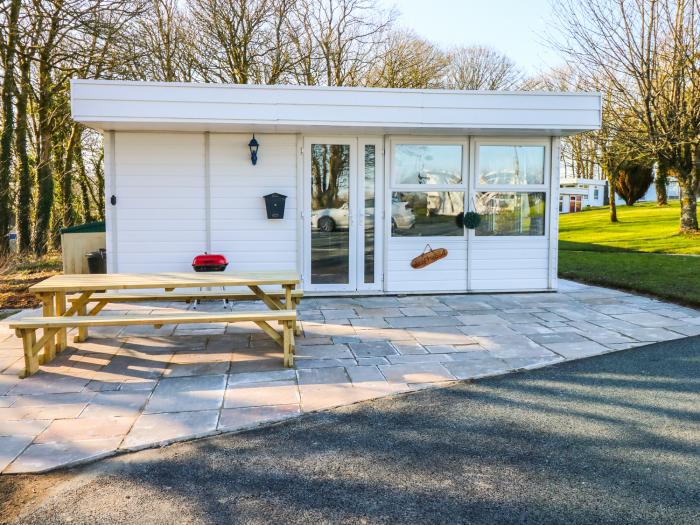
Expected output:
{"points": [[274, 202]]}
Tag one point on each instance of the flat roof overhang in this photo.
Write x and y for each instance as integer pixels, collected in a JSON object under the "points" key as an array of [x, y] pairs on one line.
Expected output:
{"points": [[159, 106]]}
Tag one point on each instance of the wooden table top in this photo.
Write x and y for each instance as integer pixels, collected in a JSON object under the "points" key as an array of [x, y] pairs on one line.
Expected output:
{"points": [[132, 281]]}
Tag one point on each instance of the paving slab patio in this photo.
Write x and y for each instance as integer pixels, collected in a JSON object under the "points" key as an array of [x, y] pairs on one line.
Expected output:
{"points": [[127, 389]]}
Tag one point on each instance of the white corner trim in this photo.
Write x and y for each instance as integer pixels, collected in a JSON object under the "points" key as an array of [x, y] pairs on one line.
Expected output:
{"points": [[111, 211], [301, 206], [207, 191], [553, 210]]}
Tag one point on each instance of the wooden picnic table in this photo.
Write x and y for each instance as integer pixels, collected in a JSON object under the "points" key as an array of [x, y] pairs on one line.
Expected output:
{"points": [[53, 291]]}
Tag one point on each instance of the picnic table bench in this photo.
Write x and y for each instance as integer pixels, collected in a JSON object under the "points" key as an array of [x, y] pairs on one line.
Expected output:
{"points": [[81, 290], [103, 299]]}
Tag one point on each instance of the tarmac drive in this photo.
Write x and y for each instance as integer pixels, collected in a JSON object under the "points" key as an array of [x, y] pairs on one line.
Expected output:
{"points": [[610, 439]]}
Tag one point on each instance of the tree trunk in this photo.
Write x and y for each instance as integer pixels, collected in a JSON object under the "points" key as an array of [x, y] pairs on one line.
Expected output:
{"points": [[86, 214], [660, 183], [613, 208], [688, 175], [8, 91], [100, 176], [611, 185], [69, 214], [689, 211], [45, 169], [24, 183], [84, 184]]}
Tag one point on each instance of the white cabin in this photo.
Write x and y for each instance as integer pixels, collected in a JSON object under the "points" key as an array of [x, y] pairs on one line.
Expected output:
{"points": [[576, 194], [373, 177]]}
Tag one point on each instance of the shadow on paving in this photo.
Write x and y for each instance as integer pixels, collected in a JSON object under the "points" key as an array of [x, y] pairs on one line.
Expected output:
{"points": [[612, 439]]}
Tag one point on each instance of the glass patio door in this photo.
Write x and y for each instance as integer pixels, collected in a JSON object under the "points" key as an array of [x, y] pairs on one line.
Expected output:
{"points": [[331, 215], [342, 214]]}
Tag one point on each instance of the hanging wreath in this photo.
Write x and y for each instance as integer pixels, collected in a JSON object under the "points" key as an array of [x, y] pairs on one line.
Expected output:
{"points": [[471, 220], [429, 256]]}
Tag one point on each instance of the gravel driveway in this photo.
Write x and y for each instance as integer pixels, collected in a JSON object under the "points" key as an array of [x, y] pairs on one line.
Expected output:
{"points": [[611, 439]]}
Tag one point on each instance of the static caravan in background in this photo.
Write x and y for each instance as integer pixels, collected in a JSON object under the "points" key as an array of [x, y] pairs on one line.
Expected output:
{"points": [[576, 194], [372, 179]]}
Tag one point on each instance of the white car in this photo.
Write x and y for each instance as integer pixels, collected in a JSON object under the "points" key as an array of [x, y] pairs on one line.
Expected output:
{"points": [[332, 219], [402, 217]]}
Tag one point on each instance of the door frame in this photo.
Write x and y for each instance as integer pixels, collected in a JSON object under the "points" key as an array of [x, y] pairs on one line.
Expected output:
{"points": [[306, 217], [356, 211], [379, 217]]}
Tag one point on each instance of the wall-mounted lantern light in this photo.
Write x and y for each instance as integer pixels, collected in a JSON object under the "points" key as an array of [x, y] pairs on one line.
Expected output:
{"points": [[253, 145]]}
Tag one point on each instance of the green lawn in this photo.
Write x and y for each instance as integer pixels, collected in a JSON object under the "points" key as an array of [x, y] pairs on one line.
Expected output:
{"points": [[642, 228], [640, 253]]}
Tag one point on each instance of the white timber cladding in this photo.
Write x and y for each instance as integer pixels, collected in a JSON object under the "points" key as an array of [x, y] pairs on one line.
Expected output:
{"points": [[174, 188], [180, 194], [509, 264], [240, 227], [160, 211], [115, 105], [110, 210], [446, 275]]}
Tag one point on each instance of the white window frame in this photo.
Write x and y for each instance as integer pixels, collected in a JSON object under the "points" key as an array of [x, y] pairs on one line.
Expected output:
{"points": [[477, 187], [393, 186], [378, 143]]}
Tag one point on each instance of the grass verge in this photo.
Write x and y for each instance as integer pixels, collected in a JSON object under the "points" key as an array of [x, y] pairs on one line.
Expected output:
{"points": [[642, 253], [672, 277]]}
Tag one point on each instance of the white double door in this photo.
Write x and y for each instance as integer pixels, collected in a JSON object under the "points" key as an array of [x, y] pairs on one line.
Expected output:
{"points": [[343, 213]]}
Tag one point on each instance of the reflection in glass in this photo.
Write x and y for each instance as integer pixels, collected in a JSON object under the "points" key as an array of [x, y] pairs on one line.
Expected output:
{"points": [[428, 164], [426, 213], [510, 213], [511, 164], [330, 217], [370, 173]]}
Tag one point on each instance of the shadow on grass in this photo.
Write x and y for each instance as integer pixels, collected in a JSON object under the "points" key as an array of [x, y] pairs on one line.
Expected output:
{"points": [[672, 277], [603, 248]]}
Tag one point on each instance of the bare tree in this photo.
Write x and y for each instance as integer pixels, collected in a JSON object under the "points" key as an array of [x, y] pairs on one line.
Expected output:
{"points": [[408, 61], [336, 40], [478, 67], [158, 45], [578, 152], [647, 52], [65, 38], [26, 53], [244, 41], [10, 36], [24, 175]]}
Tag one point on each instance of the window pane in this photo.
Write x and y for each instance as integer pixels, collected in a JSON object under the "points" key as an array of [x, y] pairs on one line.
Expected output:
{"points": [[330, 218], [427, 164], [510, 213], [426, 213], [511, 164], [370, 172]]}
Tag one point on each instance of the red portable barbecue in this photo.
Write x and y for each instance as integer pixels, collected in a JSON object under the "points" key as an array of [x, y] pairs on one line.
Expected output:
{"points": [[209, 262]]}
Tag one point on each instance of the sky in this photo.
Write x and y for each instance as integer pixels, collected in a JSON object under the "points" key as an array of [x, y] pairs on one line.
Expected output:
{"points": [[514, 27]]}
